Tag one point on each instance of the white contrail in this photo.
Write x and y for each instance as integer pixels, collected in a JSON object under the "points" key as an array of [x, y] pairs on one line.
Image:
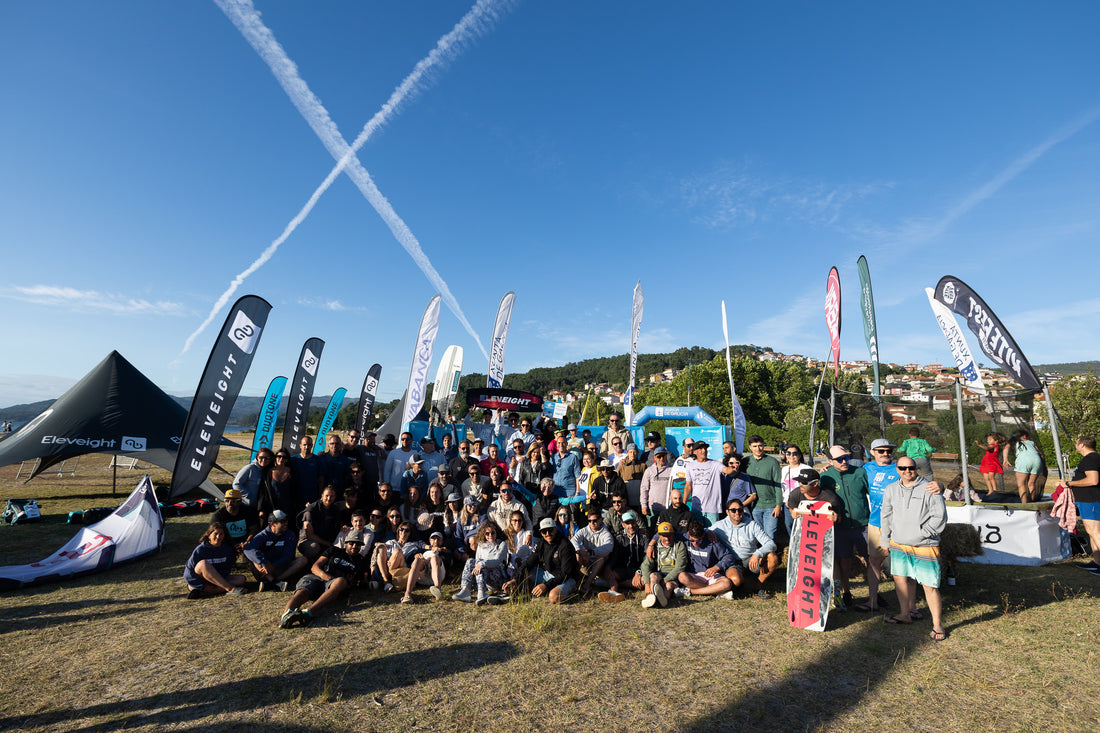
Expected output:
{"points": [[244, 16]]}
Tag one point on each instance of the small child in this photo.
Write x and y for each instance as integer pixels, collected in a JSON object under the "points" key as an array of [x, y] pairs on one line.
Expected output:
{"points": [[991, 462]]}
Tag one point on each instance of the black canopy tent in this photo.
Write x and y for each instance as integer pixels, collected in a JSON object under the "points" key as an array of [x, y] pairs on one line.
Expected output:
{"points": [[114, 409]]}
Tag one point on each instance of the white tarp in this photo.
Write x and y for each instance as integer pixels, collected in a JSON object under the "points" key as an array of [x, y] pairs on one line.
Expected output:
{"points": [[135, 528]]}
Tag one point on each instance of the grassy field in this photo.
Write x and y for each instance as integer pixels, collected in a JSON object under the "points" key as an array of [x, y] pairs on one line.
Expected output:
{"points": [[125, 649]]}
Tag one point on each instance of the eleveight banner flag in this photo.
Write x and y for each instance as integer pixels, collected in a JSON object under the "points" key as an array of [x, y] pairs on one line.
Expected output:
{"points": [[301, 392], [330, 417], [956, 341], [870, 332], [269, 416], [832, 317], [422, 359], [739, 424], [635, 331], [495, 378], [221, 382], [993, 337], [366, 398]]}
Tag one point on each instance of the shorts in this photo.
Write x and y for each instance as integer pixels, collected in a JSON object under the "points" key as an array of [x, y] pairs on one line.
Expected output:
{"points": [[540, 576], [919, 563], [705, 580], [314, 585], [1089, 510], [1029, 463], [849, 543], [874, 542]]}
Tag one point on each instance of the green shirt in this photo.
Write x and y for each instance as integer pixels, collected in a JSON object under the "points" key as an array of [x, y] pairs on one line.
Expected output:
{"points": [[767, 477]]}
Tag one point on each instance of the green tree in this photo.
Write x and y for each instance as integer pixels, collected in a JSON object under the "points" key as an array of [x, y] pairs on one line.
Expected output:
{"points": [[1077, 401]]}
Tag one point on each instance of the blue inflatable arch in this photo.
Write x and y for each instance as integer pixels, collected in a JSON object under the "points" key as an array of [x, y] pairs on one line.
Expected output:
{"points": [[696, 414]]}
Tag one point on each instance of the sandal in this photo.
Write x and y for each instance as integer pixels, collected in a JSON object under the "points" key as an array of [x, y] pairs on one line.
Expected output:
{"points": [[895, 620], [916, 615], [937, 635]]}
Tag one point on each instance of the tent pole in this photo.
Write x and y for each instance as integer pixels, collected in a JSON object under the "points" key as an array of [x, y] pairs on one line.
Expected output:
{"points": [[114, 476]]}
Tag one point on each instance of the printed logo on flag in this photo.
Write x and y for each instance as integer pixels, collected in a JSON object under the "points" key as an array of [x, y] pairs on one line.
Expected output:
{"points": [[949, 293], [131, 443], [244, 333], [309, 362]]}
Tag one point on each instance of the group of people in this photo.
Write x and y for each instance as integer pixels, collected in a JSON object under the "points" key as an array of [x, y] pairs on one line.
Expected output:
{"points": [[553, 513]]}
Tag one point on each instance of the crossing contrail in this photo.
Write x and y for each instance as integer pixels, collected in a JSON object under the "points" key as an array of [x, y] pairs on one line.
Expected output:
{"points": [[477, 21]]}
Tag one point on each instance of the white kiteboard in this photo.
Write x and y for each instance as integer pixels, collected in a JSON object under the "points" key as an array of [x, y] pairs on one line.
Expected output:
{"points": [[677, 478], [446, 384]]}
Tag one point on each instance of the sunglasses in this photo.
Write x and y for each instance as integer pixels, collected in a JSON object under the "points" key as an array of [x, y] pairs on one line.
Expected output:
{"points": [[843, 459], [792, 453], [736, 511], [884, 450], [907, 468]]}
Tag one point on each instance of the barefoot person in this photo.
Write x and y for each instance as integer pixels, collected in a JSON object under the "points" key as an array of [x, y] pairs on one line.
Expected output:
{"points": [[912, 520]]}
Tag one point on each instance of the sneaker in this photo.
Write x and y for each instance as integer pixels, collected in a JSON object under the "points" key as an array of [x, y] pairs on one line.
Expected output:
{"points": [[463, 595], [1090, 565], [610, 596], [265, 586], [388, 587], [281, 586], [649, 601], [846, 599], [238, 590], [763, 594], [728, 595], [482, 599], [437, 592], [288, 618], [661, 594], [682, 592], [305, 618], [1094, 571], [497, 600]]}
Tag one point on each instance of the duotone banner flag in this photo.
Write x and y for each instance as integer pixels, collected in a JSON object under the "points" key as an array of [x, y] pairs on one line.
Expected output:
{"points": [[870, 332], [832, 317], [330, 417], [495, 378], [301, 392], [956, 341], [269, 416], [739, 423], [422, 359], [218, 388], [635, 331], [366, 398], [993, 337]]}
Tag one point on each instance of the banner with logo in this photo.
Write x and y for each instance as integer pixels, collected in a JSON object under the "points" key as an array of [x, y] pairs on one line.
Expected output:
{"points": [[993, 337], [218, 388], [269, 416], [503, 399], [366, 398], [870, 332], [956, 341], [422, 359], [301, 392], [635, 330], [832, 318], [495, 377], [739, 424], [331, 411]]}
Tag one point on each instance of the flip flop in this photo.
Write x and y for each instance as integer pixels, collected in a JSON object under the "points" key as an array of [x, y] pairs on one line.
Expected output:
{"points": [[916, 615], [937, 635], [895, 620], [866, 608]]}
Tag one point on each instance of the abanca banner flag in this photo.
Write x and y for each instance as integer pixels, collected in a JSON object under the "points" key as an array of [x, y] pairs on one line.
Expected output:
{"points": [[635, 331], [269, 416], [218, 388], [366, 398], [867, 306], [495, 378], [301, 392], [832, 317], [422, 359], [993, 337]]}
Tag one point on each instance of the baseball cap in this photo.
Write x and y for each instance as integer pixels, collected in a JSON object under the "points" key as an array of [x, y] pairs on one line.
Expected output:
{"points": [[837, 451], [234, 494], [277, 516], [807, 475], [882, 443]]}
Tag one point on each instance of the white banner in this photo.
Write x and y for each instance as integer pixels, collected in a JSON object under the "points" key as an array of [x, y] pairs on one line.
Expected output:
{"points": [[738, 414], [635, 330], [422, 359], [956, 341], [1012, 536], [495, 378]]}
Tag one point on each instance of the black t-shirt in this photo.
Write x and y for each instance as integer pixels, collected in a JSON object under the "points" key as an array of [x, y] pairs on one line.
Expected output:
{"points": [[238, 525], [340, 564], [835, 501], [1087, 494]]}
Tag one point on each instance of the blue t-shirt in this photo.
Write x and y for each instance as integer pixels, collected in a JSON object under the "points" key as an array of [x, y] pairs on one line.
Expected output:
{"points": [[878, 478], [220, 558]]}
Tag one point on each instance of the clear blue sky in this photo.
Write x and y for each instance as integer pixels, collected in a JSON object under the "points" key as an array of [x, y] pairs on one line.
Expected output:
{"points": [[714, 150]]}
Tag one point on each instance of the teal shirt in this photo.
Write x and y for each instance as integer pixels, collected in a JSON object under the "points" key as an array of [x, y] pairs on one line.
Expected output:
{"points": [[767, 477], [852, 488]]}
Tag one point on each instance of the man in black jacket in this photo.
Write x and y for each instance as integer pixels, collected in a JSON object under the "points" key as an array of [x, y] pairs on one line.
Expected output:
{"points": [[552, 566]]}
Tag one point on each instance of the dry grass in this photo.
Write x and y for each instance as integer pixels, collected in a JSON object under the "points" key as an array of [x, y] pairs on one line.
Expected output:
{"points": [[124, 649]]}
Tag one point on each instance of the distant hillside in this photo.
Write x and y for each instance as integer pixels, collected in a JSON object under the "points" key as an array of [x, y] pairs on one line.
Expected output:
{"points": [[1073, 367]]}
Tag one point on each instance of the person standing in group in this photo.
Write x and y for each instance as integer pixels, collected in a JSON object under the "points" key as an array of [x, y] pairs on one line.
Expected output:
{"points": [[1086, 492], [991, 467], [919, 450], [767, 479], [912, 520], [654, 486], [1028, 463], [881, 472], [615, 429], [794, 465], [703, 492], [850, 534]]}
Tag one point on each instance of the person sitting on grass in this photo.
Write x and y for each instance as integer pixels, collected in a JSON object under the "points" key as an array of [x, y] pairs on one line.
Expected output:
{"points": [[433, 559], [594, 544], [271, 552], [506, 504], [320, 525], [358, 522], [207, 572], [239, 519], [395, 559], [488, 569], [335, 572], [660, 572], [552, 566], [752, 546], [627, 556], [678, 514], [708, 561], [521, 540]]}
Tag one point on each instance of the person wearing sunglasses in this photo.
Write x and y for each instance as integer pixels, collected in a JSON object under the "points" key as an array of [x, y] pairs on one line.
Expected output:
{"points": [[850, 534], [333, 574], [754, 549], [912, 520], [615, 429], [551, 566]]}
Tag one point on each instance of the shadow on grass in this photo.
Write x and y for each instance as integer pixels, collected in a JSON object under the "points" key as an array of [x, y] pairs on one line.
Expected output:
{"points": [[337, 681], [49, 613]]}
